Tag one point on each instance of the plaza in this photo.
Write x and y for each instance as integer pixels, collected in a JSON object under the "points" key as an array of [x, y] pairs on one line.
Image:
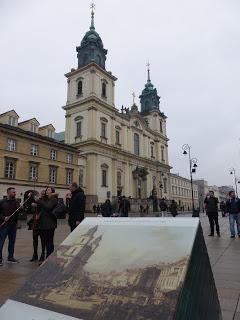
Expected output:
{"points": [[223, 253]]}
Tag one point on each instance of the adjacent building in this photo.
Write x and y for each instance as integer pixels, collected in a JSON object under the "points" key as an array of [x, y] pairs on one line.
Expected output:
{"points": [[31, 158], [181, 192], [122, 152]]}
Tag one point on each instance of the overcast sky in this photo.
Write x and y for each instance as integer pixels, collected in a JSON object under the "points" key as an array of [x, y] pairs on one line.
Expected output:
{"points": [[194, 51]]}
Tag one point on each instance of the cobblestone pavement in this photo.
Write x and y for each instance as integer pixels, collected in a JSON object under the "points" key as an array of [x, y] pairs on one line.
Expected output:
{"points": [[224, 256]]}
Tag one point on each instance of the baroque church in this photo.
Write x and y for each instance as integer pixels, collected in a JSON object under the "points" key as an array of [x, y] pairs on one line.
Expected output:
{"points": [[121, 152]]}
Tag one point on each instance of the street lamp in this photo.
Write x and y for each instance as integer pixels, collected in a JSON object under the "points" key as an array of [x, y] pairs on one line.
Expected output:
{"points": [[236, 180], [192, 168]]}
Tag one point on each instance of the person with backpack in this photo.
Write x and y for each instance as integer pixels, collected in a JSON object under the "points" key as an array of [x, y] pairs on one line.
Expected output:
{"points": [[8, 225], [77, 204]]}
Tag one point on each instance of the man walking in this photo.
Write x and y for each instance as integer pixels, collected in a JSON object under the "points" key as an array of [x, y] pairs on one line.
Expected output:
{"points": [[233, 209], [211, 207], [76, 206], [8, 224], [124, 207]]}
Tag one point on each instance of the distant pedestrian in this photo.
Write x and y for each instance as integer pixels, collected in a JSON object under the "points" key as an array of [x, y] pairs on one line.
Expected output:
{"points": [[163, 206], [223, 208], [77, 206], [94, 209], [9, 225], [173, 208], [98, 209], [211, 207], [233, 209], [107, 209], [124, 207]]}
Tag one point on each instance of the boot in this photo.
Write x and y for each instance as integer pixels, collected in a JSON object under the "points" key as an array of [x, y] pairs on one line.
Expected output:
{"points": [[34, 258]]}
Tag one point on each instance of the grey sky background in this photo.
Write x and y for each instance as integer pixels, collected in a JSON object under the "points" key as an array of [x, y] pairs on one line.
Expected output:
{"points": [[193, 47]]}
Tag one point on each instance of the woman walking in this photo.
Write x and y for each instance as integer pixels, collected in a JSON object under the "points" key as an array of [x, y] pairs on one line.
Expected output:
{"points": [[47, 219]]}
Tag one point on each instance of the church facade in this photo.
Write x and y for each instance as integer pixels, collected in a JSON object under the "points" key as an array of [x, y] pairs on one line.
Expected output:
{"points": [[121, 152]]}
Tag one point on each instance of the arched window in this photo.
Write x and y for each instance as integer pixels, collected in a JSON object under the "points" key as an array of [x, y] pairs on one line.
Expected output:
{"points": [[136, 144], [80, 87], [104, 90], [161, 126]]}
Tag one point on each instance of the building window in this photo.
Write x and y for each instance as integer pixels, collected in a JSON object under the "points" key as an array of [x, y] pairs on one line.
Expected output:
{"points": [[165, 185], [33, 128], [80, 88], [53, 154], [11, 145], [136, 144], [81, 178], [34, 150], [12, 121], [104, 178], [69, 158], [33, 172], [117, 137], [152, 152], [79, 129], [161, 126], [50, 133], [69, 176], [53, 175], [162, 153], [10, 169], [103, 130], [104, 90], [119, 179]]}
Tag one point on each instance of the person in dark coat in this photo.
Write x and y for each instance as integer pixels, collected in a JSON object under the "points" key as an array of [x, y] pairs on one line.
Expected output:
{"points": [[33, 225], [223, 208], [211, 207], [233, 209], [9, 227], [124, 207], [47, 219], [173, 208], [107, 209], [98, 209], [77, 206], [94, 209]]}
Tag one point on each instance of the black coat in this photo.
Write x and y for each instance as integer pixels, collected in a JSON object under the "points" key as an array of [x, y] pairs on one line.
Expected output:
{"points": [[233, 206], [47, 219], [107, 209], [77, 206]]}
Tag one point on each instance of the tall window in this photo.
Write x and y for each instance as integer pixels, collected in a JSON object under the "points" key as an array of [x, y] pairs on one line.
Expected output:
{"points": [[53, 154], [80, 87], [69, 158], [117, 137], [103, 130], [50, 133], [152, 153], [34, 150], [11, 145], [69, 176], [79, 129], [33, 128], [10, 169], [104, 90], [52, 174], [81, 177], [162, 153], [104, 178], [12, 121], [165, 185], [136, 144], [119, 179], [33, 172], [161, 126]]}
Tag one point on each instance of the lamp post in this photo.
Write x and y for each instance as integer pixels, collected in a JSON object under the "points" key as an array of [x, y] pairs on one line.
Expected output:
{"points": [[236, 180], [192, 167]]}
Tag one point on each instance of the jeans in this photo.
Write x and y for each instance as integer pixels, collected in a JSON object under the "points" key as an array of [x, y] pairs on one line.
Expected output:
{"points": [[10, 231], [232, 218]]}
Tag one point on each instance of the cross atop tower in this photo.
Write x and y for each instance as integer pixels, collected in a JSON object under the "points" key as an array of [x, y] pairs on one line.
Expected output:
{"points": [[92, 14], [148, 69]]}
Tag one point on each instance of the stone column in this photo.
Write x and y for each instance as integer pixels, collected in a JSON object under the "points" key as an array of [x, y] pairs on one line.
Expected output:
{"points": [[92, 122], [92, 176]]}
